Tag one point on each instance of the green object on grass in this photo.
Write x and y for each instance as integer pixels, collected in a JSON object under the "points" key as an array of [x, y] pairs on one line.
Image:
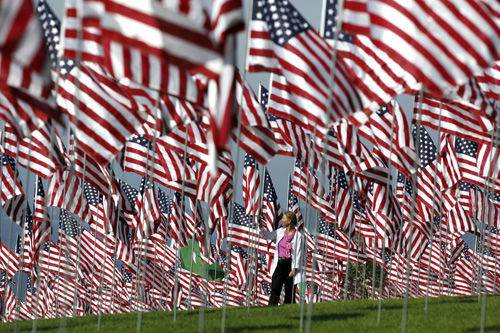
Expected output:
{"points": [[191, 261]]}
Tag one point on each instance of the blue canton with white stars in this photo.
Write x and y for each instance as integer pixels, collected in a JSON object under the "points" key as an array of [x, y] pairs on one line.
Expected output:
{"points": [[426, 148], [165, 202], [240, 218], [52, 31], [91, 194], [130, 192], [330, 24], [250, 162], [326, 228], [68, 223], [284, 22], [407, 183], [466, 147]]}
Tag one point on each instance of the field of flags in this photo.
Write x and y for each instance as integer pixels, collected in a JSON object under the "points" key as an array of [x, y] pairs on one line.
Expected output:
{"points": [[122, 125]]}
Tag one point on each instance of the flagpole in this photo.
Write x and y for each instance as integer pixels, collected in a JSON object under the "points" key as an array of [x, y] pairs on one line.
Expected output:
{"points": [[183, 209], [426, 303], [404, 319], [340, 11], [490, 218], [232, 42], [147, 175]]}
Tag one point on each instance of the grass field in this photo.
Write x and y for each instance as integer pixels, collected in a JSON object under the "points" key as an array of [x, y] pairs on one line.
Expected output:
{"points": [[446, 314]]}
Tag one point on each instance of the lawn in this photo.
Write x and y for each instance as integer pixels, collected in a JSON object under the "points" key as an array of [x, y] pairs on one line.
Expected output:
{"points": [[446, 314]]}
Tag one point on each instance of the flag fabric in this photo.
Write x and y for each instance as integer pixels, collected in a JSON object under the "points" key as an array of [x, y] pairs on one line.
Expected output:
{"points": [[270, 205], [226, 18], [374, 71], [243, 231], [104, 110], [251, 186], [287, 45], [434, 39], [307, 187]]}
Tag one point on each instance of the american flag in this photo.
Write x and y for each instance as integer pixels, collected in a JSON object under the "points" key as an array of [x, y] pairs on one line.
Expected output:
{"points": [[64, 191], [282, 146], [293, 202], [129, 55], [164, 166], [171, 212], [69, 224], [281, 41], [239, 264], [389, 130], [335, 244], [41, 219], [52, 31], [98, 208], [251, 185], [413, 239], [257, 137], [374, 71], [37, 153], [9, 260], [21, 36], [468, 160], [226, 18], [104, 109], [428, 176], [307, 187], [270, 205], [455, 117], [343, 202], [243, 232], [12, 192], [404, 194], [435, 61]]}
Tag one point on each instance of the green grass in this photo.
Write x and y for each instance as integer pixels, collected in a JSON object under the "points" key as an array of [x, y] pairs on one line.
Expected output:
{"points": [[446, 314]]}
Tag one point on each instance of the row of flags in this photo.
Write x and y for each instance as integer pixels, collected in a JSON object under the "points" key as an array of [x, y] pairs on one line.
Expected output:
{"points": [[147, 89]]}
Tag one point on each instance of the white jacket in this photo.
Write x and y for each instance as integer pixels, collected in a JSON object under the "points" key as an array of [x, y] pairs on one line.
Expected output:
{"points": [[277, 235]]}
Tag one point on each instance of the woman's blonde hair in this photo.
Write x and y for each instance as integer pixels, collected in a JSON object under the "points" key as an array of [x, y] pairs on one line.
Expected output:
{"points": [[292, 217]]}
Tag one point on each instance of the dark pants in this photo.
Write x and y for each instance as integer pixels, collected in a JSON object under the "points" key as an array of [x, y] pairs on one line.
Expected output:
{"points": [[280, 277]]}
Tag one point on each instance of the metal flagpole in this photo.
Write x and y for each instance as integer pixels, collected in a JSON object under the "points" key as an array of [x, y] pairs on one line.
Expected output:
{"points": [[232, 41], [183, 209], [431, 245], [490, 217], [340, 11], [141, 244], [384, 239], [404, 319]]}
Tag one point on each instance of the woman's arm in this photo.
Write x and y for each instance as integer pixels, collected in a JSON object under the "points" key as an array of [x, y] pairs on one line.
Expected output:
{"points": [[297, 252], [269, 235]]}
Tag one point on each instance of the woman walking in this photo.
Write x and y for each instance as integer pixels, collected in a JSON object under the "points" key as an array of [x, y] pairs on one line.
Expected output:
{"points": [[285, 268]]}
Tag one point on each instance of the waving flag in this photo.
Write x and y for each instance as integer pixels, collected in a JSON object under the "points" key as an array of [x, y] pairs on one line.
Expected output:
{"points": [[281, 41], [379, 76], [243, 231], [439, 42]]}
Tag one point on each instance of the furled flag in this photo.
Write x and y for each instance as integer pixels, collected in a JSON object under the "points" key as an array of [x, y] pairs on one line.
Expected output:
{"points": [[270, 205], [293, 202], [251, 185]]}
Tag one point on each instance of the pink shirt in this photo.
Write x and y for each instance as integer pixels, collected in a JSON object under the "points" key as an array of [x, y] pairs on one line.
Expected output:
{"points": [[285, 245]]}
